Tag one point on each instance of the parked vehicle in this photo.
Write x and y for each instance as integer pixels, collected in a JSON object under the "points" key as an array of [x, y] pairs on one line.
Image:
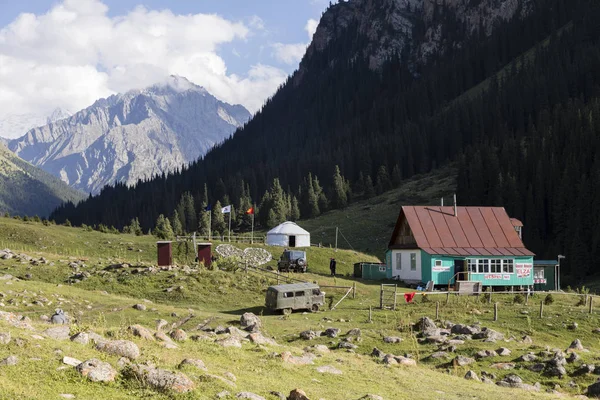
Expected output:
{"points": [[292, 260], [294, 296]]}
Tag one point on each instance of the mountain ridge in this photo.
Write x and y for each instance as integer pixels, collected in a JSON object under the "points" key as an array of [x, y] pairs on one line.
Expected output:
{"points": [[131, 136]]}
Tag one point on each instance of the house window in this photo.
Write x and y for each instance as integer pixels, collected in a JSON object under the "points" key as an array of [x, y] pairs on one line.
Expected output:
{"points": [[398, 261], [438, 263], [538, 273], [496, 266], [472, 265], [484, 266], [413, 261], [508, 266]]}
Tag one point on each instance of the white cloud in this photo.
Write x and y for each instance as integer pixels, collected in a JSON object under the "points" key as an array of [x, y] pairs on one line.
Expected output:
{"points": [[293, 53], [75, 54], [289, 53], [311, 27]]}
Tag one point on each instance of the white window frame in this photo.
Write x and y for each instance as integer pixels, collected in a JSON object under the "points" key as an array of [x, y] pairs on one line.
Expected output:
{"points": [[483, 265], [508, 266], [538, 273], [413, 261], [496, 266]]}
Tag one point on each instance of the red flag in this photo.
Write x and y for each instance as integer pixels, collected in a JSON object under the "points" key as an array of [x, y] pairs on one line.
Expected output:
{"points": [[250, 210], [409, 297]]}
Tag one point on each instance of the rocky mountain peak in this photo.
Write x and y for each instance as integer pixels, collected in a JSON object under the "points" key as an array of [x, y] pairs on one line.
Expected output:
{"points": [[412, 29]]}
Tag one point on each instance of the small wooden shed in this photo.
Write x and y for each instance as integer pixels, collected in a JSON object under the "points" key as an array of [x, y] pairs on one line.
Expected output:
{"points": [[164, 250], [372, 271], [204, 252], [544, 275]]}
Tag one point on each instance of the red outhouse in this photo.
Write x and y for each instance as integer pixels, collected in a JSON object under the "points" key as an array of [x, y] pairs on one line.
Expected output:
{"points": [[205, 253], [164, 250]]}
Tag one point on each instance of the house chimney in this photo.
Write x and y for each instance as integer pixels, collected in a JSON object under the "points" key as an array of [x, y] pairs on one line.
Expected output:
{"points": [[455, 207]]}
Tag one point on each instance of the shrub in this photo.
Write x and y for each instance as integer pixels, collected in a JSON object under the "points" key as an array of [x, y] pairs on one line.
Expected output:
{"points": [[6, 215], [36, 218], [26, 218], [582, 301], [519, 299], [425, 298], [549, 299], [45, 222], [67, 223], [17, 217]]}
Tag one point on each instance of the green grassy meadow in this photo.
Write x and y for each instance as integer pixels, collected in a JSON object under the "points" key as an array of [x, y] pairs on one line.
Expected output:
{"points": [[103, 303]]}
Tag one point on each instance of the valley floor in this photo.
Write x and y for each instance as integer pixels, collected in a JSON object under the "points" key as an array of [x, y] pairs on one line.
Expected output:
{"points": [[98, 278]]}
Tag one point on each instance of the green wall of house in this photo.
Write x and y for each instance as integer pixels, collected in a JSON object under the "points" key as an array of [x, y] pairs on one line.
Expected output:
{"points": [[443, 274]]}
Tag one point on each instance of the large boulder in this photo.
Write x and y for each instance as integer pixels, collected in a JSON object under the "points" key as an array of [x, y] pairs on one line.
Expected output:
{"points": [[59, 317], [259, 338], [594, 390], [488, 334], [331, 332], [425, 324], [249, 395], [460, 329], [297, 394], [178, 335], [97, 371], [140, 331], [230, 341], [308, 335], [461, 361], [5, 337], [392, 339], [123, 348], [81, 338], [160, 379], [250, 322], [193, 362], [58, 332], [9, 361]]}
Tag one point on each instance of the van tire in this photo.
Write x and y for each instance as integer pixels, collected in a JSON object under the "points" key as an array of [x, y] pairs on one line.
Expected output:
{"points": [[286, 311], [314, 308]]}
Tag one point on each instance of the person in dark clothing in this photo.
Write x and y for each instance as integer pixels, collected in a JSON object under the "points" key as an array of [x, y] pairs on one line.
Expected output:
{"points": [[332, 265]]}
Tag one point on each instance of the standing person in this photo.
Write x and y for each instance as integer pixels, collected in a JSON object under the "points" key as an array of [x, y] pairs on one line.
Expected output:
{"points": [[332, 265]]}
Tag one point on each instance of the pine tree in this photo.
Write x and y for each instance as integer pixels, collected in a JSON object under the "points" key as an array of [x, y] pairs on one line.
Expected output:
{"points": [[218, 219], [369, 189], [295, 210], [383, 180], [190, 213], [163, 229], [177, 227], [320, 195], [396, 176], [339, 195]]}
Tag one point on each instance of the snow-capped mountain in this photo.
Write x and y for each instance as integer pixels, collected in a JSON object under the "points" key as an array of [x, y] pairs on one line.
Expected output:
{"points": [[15, 125], [131, 136]]}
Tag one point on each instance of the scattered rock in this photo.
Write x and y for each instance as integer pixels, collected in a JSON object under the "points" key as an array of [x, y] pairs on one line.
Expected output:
{"points": [[178, 335], [503, 351], [308, 335], [248, 395], [585, 369], [81, 338], [503, 366], [594, 390], [515, 381], [238, 333], [160, 379], [573, 357], [461, 361], [58, 332], [67, 395], [194, 362], [10, 360], [5, 337], [439, 354], [527, 357], [328, 369], [140, 307], [305, 359], [123, 348], [464, 329], [297, 394], [537, 367], [527, 340], [97, 371], [259, 338], [250, 322], [471, 375], [489, 335], [73, 362], [573, 326], [392, 339], [425, 324], [485, 354], [318, 348], [161, 323], [555, 370], [59, 317], [230, 341], [576, 345], [371, 397], [331, 332], [95, 337], [140, 331], [344, 344], [354, 332], [223, 394]]}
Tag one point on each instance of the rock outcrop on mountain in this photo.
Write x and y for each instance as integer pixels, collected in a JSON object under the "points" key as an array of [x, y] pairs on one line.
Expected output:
{"points": [[131, 136], [412, 29]]}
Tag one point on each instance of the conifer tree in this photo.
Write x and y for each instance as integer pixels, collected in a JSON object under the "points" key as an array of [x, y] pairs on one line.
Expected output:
{"points": [[218, 219], [383, 180], [339, 195], [163, 229], [294, 210], [176, 224], [369, 189]]}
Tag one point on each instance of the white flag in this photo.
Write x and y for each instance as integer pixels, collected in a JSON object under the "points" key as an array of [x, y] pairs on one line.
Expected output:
{"points": [[226, 210]]}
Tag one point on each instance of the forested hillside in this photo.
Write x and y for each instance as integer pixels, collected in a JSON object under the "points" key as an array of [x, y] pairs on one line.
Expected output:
{"points": [[526, 138]]}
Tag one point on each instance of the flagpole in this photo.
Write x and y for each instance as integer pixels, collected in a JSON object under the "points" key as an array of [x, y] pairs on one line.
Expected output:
{"points": [[252, 236], [230, 225]]}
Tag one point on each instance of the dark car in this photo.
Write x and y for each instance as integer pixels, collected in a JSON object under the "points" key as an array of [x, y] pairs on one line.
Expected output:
{"points": [[292, 260]]}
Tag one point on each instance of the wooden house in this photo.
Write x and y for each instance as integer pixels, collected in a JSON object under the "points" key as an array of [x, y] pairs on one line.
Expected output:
{"points": [[449, 244]]}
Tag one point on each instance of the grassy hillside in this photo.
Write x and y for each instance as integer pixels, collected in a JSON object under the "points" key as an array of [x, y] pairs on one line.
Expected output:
{"points": [[103, 302], [367, 225], [27, 190]]}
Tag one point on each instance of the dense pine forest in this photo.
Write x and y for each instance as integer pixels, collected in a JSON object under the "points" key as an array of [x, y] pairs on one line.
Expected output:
{"points": [[516, 111]]}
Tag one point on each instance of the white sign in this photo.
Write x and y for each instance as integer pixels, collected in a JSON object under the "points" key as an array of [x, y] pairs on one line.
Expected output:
{"points": [[524, 270], [440, 269], [493, 276], [506, 277]]}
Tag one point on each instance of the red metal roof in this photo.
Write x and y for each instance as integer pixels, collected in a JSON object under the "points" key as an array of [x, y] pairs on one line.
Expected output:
{"points": [[486, 231]]}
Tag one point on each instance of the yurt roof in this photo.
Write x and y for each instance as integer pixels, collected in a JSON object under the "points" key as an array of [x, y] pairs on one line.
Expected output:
{"points": [[288, 228]]}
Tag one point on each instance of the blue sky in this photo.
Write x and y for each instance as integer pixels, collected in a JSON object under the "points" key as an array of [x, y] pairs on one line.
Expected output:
{"points": [[69, 53]]}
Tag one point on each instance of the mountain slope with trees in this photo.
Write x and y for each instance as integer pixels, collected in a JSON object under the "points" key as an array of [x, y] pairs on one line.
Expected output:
{"points": [[526, 139]]}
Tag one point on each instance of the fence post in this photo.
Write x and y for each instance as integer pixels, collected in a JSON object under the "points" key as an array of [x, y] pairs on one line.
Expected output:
{"points": [[541, 308], [370, 314], [354, 290], [490, 297], [395, 293], [447, 298], [381, 297], [495, 311], [437, 310], [527, 298], [591, 303]]}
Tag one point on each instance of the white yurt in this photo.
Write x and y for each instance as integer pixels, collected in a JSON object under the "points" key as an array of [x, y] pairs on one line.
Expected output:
{"points": [[288, 234]]}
